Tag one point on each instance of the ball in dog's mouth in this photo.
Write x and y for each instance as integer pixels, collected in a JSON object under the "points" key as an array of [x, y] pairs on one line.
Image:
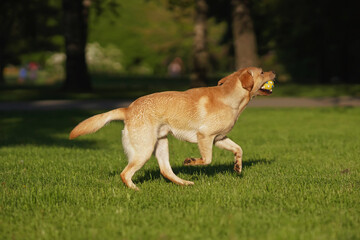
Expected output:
{"points": [[267, 87]]}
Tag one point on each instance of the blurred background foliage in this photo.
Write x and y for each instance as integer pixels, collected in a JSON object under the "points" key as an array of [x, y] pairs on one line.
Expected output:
{"points": [[303, 41]]}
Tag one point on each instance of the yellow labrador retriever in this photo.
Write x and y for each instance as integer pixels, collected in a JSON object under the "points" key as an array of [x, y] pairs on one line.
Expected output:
{"points": [[200, 115]]}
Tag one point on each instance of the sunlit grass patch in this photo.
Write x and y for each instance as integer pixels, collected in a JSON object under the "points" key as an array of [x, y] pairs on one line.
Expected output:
{"points": [[300, 180]]}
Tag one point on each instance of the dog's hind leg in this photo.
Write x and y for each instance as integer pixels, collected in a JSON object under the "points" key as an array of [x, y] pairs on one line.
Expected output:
{"points": [[162, 155], [130, 170], [139, 150], [227, 144]]}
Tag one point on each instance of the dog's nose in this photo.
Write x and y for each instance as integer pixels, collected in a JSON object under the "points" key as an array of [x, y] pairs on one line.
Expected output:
{"points": [[273, 72]]}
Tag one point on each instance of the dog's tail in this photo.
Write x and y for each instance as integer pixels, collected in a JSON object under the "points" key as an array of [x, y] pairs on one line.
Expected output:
{"points": [[96, 122]]}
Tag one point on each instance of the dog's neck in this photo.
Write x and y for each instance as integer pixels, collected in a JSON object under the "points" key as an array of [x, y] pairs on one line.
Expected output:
{"points": [[234, 95]]}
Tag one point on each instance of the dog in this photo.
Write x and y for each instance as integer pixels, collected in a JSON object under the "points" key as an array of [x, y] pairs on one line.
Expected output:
{"points": [[199, 115]]}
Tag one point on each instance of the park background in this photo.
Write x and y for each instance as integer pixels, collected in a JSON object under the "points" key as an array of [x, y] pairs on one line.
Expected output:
{"points": [[114, 47], [300, 176]]}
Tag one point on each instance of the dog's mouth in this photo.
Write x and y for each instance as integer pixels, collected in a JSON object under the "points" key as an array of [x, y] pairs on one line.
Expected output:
{"points": [[265, 89]]}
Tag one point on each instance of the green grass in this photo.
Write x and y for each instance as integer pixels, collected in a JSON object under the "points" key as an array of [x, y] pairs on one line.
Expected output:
{"points": [[300, 180]]}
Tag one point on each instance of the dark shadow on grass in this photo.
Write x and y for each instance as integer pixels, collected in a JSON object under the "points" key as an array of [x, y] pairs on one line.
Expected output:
{"points": [[210, 170], [42, 128]]}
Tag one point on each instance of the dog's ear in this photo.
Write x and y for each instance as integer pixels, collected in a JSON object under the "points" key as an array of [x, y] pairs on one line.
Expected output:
{"points": [[221, 82], [247, 80]]}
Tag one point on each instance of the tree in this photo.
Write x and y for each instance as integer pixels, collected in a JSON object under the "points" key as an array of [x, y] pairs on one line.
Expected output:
{"points": [[201, 55], [243, 35], [75, 19], [240, 33]]}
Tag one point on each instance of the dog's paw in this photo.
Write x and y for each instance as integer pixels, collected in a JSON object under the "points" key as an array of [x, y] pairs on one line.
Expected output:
{"points": [[188, 183], [238, 166], [190, 161], [194, 162]]}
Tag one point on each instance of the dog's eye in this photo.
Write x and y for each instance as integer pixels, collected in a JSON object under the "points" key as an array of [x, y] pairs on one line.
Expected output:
{"points": [[262, 72]]}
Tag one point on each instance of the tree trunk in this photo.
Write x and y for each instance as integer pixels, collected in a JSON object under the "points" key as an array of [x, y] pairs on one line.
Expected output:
{"points": [[3, 44], [244, 35], [201, 55], [2, 66], [75, 32]]}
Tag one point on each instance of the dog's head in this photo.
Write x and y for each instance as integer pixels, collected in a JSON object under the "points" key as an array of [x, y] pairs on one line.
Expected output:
{"points": [[252, 79]]}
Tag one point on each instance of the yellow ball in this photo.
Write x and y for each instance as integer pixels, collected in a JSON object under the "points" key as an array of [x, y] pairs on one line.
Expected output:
{"points": [[269, 85]]}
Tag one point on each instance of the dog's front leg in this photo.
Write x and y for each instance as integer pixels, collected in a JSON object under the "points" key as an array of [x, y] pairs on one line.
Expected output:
{"points": [[227, 144], [205, 144]]}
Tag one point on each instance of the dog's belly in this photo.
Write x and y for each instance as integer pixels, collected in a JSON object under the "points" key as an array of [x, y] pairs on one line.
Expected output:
{"points": [[181, 134], [185, 135]]}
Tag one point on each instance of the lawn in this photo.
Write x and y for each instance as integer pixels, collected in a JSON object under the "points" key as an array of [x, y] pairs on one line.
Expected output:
{"points": [[300, 180]]}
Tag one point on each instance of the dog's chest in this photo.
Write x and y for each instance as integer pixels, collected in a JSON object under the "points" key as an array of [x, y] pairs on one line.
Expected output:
{"points": [[223, 122]]}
